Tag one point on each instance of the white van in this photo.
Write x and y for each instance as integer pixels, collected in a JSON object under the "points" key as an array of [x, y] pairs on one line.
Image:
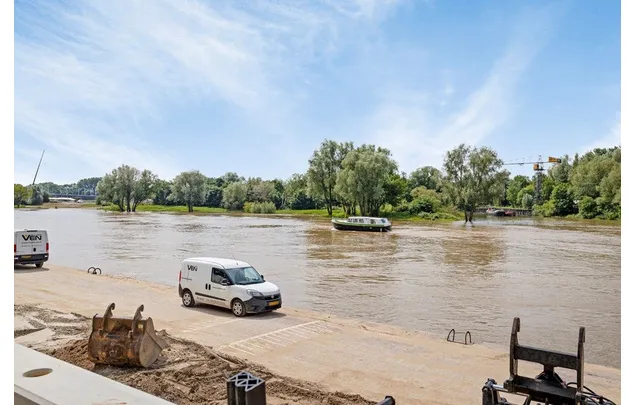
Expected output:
{"points": [[227, 283], [30, 246]]}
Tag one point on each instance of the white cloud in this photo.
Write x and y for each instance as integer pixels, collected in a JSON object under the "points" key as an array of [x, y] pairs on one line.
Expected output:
{"points": [[90, 75], [609, 140], [419, 136]]}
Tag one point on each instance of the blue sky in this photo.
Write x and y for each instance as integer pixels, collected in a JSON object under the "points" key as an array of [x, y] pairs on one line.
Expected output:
{"points": [[254, 86]]}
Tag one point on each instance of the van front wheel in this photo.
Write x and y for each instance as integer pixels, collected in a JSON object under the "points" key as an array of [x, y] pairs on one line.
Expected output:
{"points": [[188, 299], [238, 308]]}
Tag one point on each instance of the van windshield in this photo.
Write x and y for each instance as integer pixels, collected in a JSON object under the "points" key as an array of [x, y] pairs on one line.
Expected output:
{"points": [[244, 276]]}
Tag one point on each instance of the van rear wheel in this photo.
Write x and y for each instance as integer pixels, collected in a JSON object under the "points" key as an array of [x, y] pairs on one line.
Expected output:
{"points": [[188, 299], [238, 308], [40, 264]]}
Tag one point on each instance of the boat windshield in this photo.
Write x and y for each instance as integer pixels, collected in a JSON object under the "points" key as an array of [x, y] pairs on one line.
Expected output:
{"points": [[244, 276]]}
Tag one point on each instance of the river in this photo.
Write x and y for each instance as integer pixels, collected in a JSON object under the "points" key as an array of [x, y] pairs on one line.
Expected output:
{"points": [[556, 275]]}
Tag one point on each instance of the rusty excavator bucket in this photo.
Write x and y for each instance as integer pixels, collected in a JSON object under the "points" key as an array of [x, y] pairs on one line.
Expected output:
{"points": [[124, 341]]}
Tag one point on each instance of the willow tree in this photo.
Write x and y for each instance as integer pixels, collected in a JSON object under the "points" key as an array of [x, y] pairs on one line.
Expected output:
{"points": [[126, 186], [324, 166], [190, 188], [364, 173], [473, 176]]}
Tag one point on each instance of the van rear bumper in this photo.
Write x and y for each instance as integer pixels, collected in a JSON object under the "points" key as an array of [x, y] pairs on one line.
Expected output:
{"points": [[256, 305], [30, 259]]}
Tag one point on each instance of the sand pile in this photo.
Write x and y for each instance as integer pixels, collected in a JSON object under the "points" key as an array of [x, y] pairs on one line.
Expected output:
{"points": [[186, 373]]}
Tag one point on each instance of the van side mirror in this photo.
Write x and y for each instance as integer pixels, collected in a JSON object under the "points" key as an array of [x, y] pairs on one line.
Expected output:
{"points": [[262, 277], [224, 282]]}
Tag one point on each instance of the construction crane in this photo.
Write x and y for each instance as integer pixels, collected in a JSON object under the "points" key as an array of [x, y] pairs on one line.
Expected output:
{"points": [[539, 169], [38, 168]]}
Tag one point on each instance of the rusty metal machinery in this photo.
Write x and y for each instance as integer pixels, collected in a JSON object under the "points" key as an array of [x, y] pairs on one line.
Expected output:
{"points": [[547, 387], [124, 341]]}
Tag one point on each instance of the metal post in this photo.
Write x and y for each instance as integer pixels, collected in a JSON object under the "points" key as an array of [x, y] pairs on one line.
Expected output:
{"points": [[246, 389]]}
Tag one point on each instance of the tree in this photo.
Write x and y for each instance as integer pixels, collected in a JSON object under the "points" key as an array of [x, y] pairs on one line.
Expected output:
{"points": [[424, 200], [234, 196], [562, 200], [37, 197], [560, 172], [472, 176], [88, 185], [324, 166], [295, 195], [364, 172], [162, 190], [427, 176], [513, 188], [214, 196], [143, 188], [395, 188], [189, 188], [126, 187], [20, 195]]}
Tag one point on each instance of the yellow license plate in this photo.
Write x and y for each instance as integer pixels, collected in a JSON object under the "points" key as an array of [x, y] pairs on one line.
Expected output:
{"points": [[26, 257], [272, 303]]}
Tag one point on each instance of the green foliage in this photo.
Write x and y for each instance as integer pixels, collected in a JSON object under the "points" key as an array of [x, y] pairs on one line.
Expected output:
{"points": [[189, 188], [324, 167], [423, 200], [562, 199], [295, 195], [214, 197], [234, 196], [514, 187], [527, 201], [342, 180], [260, 207], [588, 208], [548, 184], [126, 187], [395, 189], [560, 173], [364, 172], [473, 177], [20, 195], [547, 209], [37, 197], [427, 176], [162, 191]]}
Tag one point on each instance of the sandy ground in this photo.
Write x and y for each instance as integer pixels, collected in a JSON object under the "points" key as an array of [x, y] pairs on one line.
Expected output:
{"points": [[304, 357], [186, 372]]}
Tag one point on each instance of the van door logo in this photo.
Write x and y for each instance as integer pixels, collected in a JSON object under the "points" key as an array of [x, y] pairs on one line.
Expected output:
{"points": [[32, 237], [192, 267]]}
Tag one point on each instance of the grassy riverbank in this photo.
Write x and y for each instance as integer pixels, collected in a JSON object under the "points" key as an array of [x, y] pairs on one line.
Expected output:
{"points": [[321, 213], [445, 216]]}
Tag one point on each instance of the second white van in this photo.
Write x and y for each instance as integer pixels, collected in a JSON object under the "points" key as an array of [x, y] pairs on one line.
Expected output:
{"points": [[30, 246], [227, 283]]}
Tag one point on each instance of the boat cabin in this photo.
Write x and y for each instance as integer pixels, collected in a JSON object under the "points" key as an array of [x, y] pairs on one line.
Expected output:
{"points": [[368, 220]]}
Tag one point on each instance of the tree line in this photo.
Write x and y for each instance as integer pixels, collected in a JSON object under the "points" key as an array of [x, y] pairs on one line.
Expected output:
{"points": [[366, 179]]}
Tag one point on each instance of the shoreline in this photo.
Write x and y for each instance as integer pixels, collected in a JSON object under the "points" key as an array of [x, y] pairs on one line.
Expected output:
{"points": [[439, 217], [351, 356]]}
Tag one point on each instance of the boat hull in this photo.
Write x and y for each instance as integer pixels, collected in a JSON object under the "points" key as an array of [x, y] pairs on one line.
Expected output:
{"points": [[361, 227]]}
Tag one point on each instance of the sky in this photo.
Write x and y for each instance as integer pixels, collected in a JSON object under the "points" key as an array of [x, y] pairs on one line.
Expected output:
{"points": [[254, 86]]}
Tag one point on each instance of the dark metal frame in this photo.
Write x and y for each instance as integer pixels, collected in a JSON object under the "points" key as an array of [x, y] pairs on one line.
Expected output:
{"points": [[547, 387]]}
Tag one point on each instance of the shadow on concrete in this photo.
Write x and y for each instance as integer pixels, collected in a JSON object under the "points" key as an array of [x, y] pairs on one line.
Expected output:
{"points": [[22, 268], [226, 313]]}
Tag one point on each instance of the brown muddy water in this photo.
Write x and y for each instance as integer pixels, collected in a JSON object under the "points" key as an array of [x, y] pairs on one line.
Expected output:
{"points": [[556, 275]]}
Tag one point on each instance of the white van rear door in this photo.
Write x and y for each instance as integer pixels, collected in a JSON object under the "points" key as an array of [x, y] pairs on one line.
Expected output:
{"points": [[29, 242]]}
